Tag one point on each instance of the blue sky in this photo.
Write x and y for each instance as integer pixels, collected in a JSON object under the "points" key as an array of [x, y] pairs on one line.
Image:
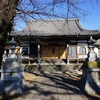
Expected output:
{"points": [[91, 21]]}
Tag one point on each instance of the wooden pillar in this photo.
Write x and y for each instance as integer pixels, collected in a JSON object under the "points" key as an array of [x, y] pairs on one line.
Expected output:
{"points": [[77, 52], [38, 54], [67, 48]]}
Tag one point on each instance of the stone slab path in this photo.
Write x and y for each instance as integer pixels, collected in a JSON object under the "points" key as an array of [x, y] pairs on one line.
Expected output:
{"points": [[52, 87]]}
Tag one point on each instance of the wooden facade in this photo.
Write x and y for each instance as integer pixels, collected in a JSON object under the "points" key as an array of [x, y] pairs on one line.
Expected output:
{"points": [[54, 51]]}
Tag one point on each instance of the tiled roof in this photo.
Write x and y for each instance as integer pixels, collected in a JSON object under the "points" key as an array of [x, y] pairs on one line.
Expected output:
{"points": [[55, 28]]}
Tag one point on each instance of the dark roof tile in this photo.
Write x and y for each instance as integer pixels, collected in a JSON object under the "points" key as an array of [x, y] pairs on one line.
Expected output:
{"points": [[55, 28]]}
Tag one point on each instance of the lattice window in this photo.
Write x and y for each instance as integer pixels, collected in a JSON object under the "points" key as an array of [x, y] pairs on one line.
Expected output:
{"points": [[72, 52], [82, 50]]}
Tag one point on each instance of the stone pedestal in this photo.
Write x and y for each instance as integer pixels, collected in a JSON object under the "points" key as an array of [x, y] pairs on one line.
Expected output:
{"points": [[91, 81]]}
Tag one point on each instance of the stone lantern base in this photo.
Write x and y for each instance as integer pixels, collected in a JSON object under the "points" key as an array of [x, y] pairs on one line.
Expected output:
{"points": [[91, 81]]}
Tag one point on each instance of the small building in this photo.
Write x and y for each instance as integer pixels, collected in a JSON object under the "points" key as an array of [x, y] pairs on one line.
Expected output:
{"points": [[64, 39]]}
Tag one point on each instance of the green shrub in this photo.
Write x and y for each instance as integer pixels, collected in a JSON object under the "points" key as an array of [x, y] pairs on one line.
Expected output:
{"points": [[91, 64]]}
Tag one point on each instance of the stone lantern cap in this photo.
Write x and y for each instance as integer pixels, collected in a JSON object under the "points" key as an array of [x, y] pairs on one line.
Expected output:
{"points": [[91, 40], [97, 42], [12, 42]]}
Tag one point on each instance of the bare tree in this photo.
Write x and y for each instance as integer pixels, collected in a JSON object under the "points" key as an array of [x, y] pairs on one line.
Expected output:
{"points": [[46, 9], [11, 10], [7, 13]]}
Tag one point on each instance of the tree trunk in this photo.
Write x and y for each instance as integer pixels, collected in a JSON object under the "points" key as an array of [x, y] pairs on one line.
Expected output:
{"points": [[7, 13]]}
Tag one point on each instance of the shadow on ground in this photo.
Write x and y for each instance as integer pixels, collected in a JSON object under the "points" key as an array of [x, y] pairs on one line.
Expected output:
{"points": [[46, 87]]}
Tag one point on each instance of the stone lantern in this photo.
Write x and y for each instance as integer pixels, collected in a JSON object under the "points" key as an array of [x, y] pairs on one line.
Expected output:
{"points": [[12, 42], [92, 56], [98, 44], [91, 72], [12, 45], [12, 72]]}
